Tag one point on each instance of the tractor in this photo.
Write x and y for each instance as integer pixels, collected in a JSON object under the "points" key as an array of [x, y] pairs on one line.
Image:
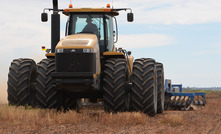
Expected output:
{"points": [[87, 64]]}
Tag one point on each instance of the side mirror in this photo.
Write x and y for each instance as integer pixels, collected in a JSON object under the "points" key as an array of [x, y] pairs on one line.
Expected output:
{"points": [[44, 17], [130, 17]]}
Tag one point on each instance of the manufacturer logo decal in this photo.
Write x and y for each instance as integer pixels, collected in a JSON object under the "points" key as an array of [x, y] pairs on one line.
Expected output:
{"points": [[73, 50]]}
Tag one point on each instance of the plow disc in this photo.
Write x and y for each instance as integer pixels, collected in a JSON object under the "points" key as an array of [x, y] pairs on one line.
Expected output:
{"points": [[184, 101]]}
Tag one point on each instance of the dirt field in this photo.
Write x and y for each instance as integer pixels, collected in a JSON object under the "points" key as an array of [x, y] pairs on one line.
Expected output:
{"points": [[22, 120]]}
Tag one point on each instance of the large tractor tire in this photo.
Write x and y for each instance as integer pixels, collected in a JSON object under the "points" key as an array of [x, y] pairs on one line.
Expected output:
{"points": [[21, 82], [114, 85], [160, 88], [144, 89], [46, 95]]}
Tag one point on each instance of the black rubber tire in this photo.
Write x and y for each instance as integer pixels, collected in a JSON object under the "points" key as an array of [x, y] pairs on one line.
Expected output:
{"points": [[46, 95], [160, 88], [114, 85], [144, 90], [21, 82]]}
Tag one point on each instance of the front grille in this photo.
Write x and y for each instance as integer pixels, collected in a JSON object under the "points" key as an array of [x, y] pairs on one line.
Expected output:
{"points": [[75, 62]]}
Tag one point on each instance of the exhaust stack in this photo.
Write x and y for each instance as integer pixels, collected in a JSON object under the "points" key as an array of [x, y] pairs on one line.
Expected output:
{"points": [[55, 26]]}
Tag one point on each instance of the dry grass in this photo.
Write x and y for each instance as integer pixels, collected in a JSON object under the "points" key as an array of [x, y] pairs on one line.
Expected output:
{"points": [[37, 118], [14, 119], [174, 120], [124, 119]]}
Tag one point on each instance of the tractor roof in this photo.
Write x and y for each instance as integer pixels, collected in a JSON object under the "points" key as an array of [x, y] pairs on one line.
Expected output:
{"points": [[109, 11]]}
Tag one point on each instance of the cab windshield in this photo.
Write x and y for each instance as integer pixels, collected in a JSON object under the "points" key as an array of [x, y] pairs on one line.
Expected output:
{"points": [[98, 24]]}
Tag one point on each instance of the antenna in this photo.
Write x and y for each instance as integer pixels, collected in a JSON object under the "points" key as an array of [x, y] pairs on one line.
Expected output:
{"points": [[70, 5], [112, 3]]}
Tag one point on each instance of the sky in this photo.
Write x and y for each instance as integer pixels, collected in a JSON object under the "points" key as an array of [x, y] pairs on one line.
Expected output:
{"points": [[182, 34]]}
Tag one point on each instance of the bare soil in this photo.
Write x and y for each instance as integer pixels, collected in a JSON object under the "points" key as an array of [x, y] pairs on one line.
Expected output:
{"points": [[22, 120]]}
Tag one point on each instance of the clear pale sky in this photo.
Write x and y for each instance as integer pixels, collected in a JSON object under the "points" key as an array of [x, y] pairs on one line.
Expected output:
{"points": [[185, 35]]}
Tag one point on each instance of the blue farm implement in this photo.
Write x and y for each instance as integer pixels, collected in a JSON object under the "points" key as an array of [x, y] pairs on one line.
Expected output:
{"points": [[176, 99]]}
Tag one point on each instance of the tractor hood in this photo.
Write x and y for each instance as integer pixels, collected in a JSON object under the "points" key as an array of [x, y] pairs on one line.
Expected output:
{"points": [[79, 41]]}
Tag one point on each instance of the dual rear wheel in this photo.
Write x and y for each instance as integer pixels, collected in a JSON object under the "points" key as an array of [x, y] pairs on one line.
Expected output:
{"points": [[46, 93], [144, 90], [146, 94], [115, 78], [32, 85], [21, 82]]}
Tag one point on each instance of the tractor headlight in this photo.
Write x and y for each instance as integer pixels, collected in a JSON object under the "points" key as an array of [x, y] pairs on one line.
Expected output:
{"points": [[88, 50], [59, 50]]}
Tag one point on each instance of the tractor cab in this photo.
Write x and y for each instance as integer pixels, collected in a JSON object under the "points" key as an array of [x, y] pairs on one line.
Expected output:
{"points": [[98, 24], [98, 21]]}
